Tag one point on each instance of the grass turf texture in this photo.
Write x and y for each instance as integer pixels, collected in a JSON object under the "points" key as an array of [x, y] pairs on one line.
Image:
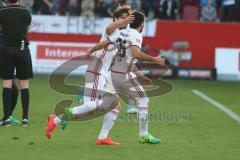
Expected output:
{"points": [[211, 134]]}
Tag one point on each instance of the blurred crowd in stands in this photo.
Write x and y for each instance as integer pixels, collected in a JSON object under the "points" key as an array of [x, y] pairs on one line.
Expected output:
{"points": [[203, 10]]}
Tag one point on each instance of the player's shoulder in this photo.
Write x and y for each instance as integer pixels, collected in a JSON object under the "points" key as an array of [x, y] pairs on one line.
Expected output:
{"points": [[105, 35], [17, 9], [111, 34], [14, 7], [129, 32], [135, 33]]}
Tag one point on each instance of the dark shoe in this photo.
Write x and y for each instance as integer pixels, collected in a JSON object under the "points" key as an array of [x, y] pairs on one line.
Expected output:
{"points": [[25, 123], [5, 122]]}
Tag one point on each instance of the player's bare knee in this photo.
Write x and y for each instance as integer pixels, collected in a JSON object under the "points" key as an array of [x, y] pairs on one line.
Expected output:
{"points": [[23, 84], [7, 83]]}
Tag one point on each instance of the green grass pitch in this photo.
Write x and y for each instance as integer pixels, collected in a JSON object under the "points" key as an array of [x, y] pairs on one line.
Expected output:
{"points": [[206, 133]]}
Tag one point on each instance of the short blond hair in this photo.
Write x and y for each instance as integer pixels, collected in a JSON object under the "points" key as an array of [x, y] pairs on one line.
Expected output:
{"points": [[121, 10]]}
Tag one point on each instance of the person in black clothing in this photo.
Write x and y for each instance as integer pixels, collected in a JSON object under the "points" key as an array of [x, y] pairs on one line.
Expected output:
{"points": [[15, 89], [15, 21], [100, 8], [169, 9]]}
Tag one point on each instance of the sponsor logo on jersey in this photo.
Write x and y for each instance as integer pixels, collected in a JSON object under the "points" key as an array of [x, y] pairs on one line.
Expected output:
{"points": [[124, 35]]}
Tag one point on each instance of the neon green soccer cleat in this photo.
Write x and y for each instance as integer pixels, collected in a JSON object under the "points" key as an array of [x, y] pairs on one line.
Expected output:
{"points": [[149, 139], [14, 121]]}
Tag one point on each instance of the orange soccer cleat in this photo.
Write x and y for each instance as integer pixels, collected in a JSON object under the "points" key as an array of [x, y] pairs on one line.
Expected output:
{"points": [[106, 141], [50, 126]]}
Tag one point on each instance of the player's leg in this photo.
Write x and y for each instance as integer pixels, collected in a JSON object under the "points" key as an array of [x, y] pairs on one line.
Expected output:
{"points": [[25, 98], [107, 103], [82, 111], [7, 66], [144, 135], [14, 99], [6, 98], [94, 86], [70, 114], [15, 91], [89, 96], [131, 108], [24, 72], [131, 88], [110, 117], [108, 122], [143, 103]]}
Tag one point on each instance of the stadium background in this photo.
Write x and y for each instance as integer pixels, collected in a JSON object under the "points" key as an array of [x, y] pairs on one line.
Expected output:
{"points": [[183, 34], [192, 127]]}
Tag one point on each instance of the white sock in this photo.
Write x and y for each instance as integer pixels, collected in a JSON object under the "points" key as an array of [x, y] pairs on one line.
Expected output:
{"points": [[108, 122], [143, 121], [86, 107], [57, 120], [80, 110]]}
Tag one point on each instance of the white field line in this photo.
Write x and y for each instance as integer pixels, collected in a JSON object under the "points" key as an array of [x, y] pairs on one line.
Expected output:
{"points": [[218, 105]]}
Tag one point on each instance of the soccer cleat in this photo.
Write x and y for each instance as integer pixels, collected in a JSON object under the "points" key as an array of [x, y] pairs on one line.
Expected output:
{"points": [[106, 141], [14, 121], [67, 113], [149, 139], [5, 122], [50, 126], [25, 123], [132, 110]]}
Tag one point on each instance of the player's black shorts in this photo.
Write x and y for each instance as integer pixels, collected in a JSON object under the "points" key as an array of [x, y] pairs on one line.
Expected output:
{"points": [[12, 58]]}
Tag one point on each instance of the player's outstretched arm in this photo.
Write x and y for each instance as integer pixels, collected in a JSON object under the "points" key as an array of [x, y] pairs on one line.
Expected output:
{"points": [[144, 80], [144, 57], [98, 46], [115, 25]]}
